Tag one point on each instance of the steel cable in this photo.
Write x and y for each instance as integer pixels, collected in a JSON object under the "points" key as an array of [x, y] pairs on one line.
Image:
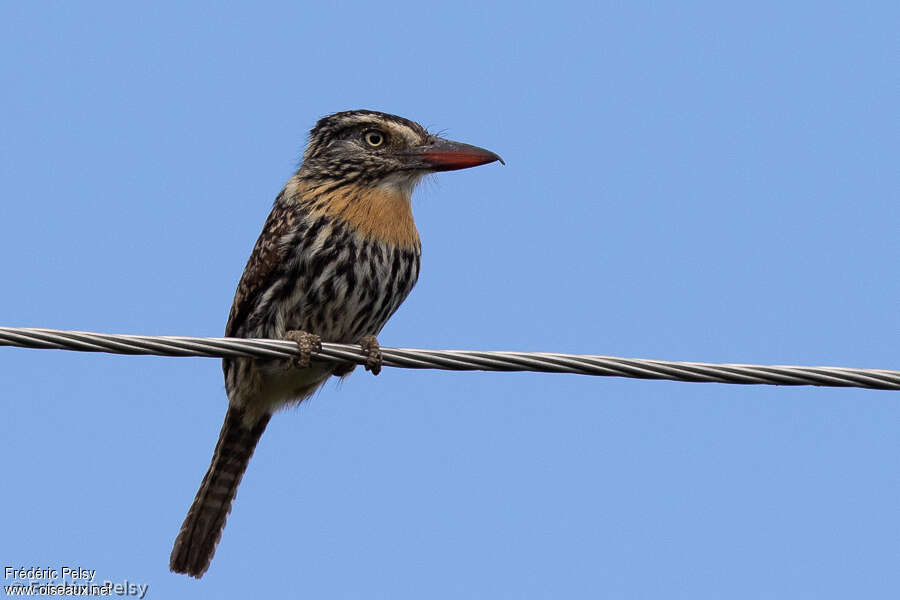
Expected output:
{"points": [[456, 360]]}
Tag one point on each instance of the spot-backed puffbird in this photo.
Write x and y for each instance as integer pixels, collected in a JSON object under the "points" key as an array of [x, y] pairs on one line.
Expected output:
{"points": [[336, 257]]}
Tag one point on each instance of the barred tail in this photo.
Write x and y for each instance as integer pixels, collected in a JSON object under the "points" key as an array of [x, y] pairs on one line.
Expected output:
{"points": [[202, 528]]}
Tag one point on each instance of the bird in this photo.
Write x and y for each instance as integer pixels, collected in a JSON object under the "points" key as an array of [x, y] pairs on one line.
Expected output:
{"points": [[336, 257]]}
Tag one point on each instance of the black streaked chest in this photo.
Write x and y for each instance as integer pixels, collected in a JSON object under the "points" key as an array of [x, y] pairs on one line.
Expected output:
{"points": [[341, 285]]}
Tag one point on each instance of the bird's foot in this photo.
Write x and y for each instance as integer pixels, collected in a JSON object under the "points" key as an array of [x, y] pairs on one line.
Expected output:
{"points": [[372, 349], [307, 343]]}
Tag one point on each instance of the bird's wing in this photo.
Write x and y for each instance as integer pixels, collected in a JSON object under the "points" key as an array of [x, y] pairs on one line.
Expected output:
{"points": [[262, 267]]}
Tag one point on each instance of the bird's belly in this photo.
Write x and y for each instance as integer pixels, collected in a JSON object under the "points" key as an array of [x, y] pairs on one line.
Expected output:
{"points": [[340, 291], [352, 295]]}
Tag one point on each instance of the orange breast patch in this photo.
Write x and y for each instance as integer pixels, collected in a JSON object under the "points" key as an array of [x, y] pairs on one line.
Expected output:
{"points": [[375, 213]]}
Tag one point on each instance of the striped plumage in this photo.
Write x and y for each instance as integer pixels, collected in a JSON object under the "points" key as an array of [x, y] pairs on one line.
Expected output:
{"points": [[336, 257]]}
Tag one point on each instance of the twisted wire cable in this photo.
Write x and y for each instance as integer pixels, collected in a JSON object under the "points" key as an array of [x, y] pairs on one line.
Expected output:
{"points": [[456, 360]]}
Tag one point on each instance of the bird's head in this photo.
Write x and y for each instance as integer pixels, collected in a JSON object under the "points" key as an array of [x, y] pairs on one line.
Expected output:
{"points": [[369, 148]]}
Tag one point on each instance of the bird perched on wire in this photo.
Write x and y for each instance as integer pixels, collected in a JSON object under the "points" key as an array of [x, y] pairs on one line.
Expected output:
{"points": [[336, 257]]}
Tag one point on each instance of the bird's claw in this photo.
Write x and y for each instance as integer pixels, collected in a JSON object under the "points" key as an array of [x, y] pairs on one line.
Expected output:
{"points": [[307, 343], [374, 360]]}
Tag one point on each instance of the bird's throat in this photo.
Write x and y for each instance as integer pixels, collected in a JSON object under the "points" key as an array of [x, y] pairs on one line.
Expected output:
{"points": [[380, 213]]}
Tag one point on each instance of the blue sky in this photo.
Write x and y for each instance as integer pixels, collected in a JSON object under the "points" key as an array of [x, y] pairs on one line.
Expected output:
{"points": [[684, 181]]}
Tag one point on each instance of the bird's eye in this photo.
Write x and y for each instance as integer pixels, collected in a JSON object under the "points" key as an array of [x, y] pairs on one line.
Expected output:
{"points": [[374, 138]]}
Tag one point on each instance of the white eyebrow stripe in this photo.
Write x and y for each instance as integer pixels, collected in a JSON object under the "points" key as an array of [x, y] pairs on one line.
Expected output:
{"points": [[409, 134], [412, 136]]}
